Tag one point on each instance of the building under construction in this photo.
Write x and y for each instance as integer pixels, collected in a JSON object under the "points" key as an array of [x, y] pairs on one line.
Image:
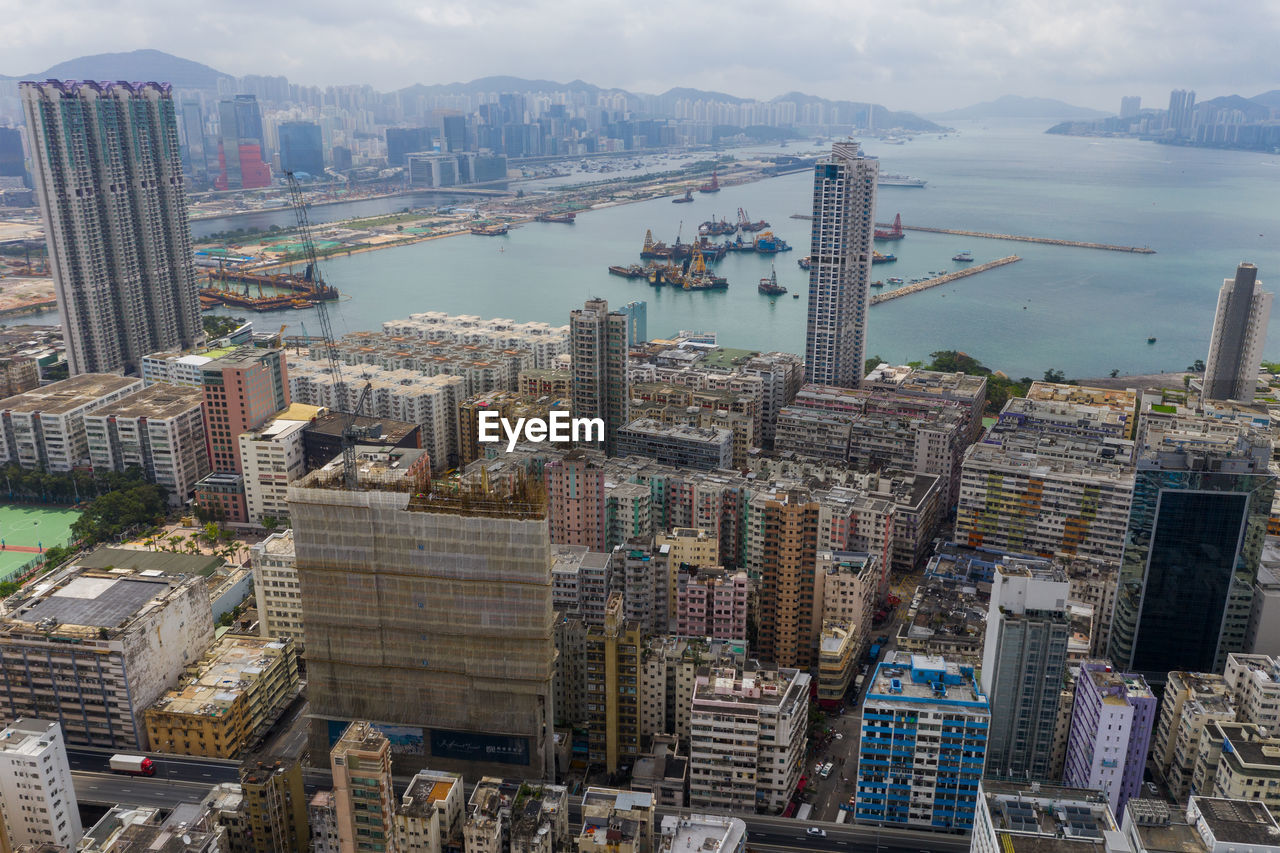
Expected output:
{"points": [[427, 611]]}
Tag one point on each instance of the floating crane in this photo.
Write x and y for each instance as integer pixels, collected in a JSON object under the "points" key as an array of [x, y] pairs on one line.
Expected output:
{"points": [[349, 431]]}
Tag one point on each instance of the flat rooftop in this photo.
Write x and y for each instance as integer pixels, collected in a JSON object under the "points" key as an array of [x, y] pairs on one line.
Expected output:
{"points": [[227, 671], [155, 402], [924, 680], [95, 601], [1238, 821], [392, 431], [69, 394], [240, 357], [150, 561]]}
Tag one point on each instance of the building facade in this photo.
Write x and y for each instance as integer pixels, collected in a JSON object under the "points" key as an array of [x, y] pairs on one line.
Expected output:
{"points": [[844, 193], [599, 344], [1239, 335], [37, 795], [109, 177], [1111, 727]]}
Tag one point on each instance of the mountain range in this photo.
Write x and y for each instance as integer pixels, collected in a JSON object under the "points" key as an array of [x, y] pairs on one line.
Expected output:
{"points": [[186, 74], [1016, 106]]}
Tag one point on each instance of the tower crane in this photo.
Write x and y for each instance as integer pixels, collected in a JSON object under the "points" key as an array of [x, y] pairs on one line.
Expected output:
{"points": [[349, 431]]}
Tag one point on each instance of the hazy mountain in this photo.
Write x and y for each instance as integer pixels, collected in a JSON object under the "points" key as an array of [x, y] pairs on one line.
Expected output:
{"points": [[1015, 106], [137, 65], [1252, 108], [1268, 99]]}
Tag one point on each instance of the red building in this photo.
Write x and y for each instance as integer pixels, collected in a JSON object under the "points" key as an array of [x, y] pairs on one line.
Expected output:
{"points": [[575, 501]]}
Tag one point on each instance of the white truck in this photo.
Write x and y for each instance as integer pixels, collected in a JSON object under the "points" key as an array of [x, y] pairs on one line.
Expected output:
{"points": [[134, 765]]}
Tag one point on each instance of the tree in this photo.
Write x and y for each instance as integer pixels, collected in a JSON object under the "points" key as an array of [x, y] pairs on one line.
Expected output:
{"points": [[209, 533], [872, 363], [1197, 366], [1114, 373], [218, 326], [270, 523], [1052, 375]]}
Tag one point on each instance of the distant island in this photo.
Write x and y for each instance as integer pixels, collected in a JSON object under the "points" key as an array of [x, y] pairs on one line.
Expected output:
{"points": [[1016, 106], [1231, 122]]}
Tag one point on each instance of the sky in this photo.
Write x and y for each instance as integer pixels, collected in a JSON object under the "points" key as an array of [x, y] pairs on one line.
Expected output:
{"points": [[923, 55]]}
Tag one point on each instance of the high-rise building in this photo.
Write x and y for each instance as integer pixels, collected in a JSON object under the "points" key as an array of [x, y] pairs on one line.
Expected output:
{"points": [[194, 159], [403, 141], [12, 160], [112, 193], [576, 500], [746, 734], [275, 805], [1191, 700], [364, 799], [1182, 104], [1201, 500], [613, 653], [241, 145], [1239, 334], [410, 591], [1111, 726], [1023, 660], [1130, 106], [844, 200], [37, 796], [600, 341], [786, 525], [275, 587], [924, 740], [300, 147], [242, 390]]}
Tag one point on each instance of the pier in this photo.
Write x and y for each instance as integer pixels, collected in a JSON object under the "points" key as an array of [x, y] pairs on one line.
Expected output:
{"points": [[908, 289], [1136, 250]]}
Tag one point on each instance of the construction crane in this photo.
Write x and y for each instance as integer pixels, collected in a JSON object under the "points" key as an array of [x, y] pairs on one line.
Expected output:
{"points": [[312, 274]]}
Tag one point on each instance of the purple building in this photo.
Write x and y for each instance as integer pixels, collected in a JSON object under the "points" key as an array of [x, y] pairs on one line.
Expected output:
{"points": [[1111, 725]]}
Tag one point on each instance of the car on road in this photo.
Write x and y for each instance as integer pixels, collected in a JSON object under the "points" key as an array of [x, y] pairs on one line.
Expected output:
{"points": [[826, 769], [815, 832], [1152, 789], [838, 735]]}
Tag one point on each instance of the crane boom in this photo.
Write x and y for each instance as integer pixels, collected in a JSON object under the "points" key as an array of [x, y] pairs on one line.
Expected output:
{"points": [[326, 332]]}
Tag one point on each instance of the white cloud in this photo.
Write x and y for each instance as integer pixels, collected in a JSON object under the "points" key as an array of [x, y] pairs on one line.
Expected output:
{"points": [[920, 54]]}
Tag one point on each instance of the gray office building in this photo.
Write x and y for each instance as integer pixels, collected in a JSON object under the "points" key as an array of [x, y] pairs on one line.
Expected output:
{"points": [[1023, 659], [1239, 334]]}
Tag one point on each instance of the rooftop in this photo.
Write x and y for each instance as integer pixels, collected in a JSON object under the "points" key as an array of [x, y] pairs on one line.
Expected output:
{"points": [[95, 601], [648, 426], [331, 424], [1039, 818], [239, 358], [1235, 821], [701, 833], [730, 684], [28, 737], [68, 394], [157, 402], [151, 561], [426, 790], [226, 672], [922, 680]]}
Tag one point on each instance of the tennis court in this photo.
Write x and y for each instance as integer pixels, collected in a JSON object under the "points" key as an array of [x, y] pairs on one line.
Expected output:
{"points": [[25, 529]]}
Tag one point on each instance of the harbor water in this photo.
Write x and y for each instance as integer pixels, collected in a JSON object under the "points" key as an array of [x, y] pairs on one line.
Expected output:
{"points": [[1082, 311]]}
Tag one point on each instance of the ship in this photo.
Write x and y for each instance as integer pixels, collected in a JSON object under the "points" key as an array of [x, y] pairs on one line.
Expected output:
{"points": [[494, 230], [712, 228], [712, 251], [894, 280], [892, 233], [877, 284], [684, 199], [712, 186], [770, 287], [698, 277], [966, 255], [739, 245], [877, 258], [745, 223], [805, 262], [768, 244], [900, 180], [632, 271], [567, 217]]}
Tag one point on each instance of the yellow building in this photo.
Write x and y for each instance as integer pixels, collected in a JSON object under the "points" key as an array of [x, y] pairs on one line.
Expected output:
{"points": [[836, 661], [613, 688], [686, 546], [1124, 402], [227, 699]]}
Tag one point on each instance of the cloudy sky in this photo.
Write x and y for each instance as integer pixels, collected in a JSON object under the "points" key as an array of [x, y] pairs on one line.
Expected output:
{"points": [[907, 54]]}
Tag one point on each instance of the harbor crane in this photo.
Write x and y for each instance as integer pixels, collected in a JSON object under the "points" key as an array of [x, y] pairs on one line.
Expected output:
{"points": [[350, 434]]}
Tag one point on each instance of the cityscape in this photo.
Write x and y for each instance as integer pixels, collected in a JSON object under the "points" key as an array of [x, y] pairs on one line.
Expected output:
{"points": [[518, 466]]}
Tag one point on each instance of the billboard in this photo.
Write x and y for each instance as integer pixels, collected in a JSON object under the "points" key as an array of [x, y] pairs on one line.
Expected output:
{"points": [[472, 746]]}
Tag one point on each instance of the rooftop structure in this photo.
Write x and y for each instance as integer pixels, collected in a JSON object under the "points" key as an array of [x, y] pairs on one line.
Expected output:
{"points": [[1044, 818]]}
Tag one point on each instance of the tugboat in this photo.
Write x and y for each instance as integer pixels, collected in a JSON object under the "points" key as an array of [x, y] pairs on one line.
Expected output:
{"points": [[745, 223], [712, 228], [877, 258], [805, 262], [895, 280], [632, 271], [877, 284], [770, 287], [687, 198], [966, 255], [738, 245], [1151, 340]]}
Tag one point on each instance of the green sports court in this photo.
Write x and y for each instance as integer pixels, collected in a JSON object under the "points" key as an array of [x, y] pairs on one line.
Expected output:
{"points": [[24, 529]]}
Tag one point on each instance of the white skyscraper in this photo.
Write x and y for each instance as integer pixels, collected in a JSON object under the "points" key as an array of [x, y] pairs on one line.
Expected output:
{"points": [[844, 201], [37, 796], [109, 178], [1239, 334]]}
